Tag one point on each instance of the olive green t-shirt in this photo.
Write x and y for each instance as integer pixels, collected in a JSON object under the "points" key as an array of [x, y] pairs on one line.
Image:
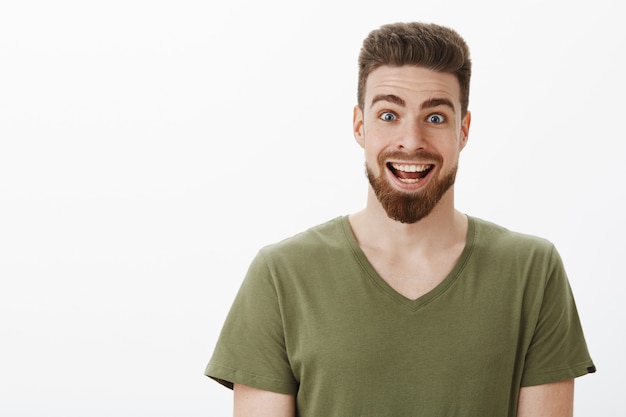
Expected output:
{"points": [[314, 319]]}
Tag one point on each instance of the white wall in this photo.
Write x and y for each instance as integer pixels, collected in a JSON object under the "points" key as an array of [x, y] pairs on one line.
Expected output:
{"points": [[149, 148]]}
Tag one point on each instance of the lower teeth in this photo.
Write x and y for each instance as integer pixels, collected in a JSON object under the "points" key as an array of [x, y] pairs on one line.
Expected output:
{"points": [[410, 180]]}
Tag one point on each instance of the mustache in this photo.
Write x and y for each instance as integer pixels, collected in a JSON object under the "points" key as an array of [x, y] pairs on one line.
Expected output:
{"points": [[416, 157]]}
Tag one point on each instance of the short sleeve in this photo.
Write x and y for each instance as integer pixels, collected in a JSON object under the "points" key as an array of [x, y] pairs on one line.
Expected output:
{"points": [[558, 350], [251, 346]]}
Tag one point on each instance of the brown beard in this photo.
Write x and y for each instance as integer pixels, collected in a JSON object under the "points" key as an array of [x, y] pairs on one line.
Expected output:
{"points": [[408, 207]]}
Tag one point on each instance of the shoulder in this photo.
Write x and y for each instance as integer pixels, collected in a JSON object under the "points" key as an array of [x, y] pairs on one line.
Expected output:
{"points": [[313, 255], [530, 261], [492, 234], [324, 236], [498, 242]]}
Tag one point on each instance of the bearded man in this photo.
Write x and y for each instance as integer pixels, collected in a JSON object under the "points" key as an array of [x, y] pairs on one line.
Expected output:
{"points": [[407, 307]]}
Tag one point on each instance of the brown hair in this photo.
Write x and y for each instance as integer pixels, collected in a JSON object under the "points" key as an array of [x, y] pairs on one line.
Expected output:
{"points": [[432, 46]]}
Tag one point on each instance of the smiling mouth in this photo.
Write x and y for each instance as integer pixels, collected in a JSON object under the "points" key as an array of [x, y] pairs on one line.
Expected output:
{"points": [[409, 173]]}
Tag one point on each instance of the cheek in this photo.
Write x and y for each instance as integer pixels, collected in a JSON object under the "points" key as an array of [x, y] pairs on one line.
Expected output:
{"points": [[371, 157], [372, 160], [451, 157]]}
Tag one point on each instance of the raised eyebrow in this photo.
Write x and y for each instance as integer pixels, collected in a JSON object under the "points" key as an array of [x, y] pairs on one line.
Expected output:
{"points": [[390, 98], [434, 102]]}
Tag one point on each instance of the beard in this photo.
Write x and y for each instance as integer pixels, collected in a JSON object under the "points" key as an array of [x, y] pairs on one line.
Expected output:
{"points": [[408, 207]]}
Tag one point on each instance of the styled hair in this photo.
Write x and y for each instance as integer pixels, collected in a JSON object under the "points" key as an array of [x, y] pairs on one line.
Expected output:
{"points": [[427, 45]]}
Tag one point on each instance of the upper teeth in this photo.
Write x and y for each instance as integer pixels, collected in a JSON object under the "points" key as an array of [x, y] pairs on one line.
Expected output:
{"points": [[410, 168]]}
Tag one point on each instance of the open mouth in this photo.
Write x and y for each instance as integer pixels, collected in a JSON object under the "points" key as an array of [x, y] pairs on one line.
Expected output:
{"points": [[409, 173]]}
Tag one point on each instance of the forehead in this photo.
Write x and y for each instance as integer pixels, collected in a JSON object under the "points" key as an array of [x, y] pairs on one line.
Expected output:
{"points": [[412, 83]]}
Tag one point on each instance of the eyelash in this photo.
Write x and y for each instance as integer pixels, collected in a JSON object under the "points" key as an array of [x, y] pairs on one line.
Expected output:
{"points": [[441, 116], [381, 116]]}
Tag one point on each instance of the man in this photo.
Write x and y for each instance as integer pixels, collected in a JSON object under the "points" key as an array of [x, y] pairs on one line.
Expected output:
{"points": [[408, 307]]}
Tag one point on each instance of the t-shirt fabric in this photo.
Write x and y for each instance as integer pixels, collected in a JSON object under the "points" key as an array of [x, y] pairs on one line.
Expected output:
{"points": [[314, 319]]}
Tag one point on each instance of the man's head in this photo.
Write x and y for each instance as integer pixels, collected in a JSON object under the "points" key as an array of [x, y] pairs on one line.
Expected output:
{"points": [[431, 46], [412, 117]]}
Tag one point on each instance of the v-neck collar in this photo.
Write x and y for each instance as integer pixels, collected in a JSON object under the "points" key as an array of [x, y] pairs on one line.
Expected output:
{"points": [[395, 296]]}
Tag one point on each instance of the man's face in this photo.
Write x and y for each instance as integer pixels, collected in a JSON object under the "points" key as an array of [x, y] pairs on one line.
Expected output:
{"points": [[412, 132]]}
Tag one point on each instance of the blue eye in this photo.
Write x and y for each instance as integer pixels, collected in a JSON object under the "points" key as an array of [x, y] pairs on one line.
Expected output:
{"points": [[388, 116], [436, 119]]}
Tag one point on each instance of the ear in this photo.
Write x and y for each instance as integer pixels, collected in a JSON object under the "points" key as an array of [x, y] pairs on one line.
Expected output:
{"points": [[465, 127], [357, 126]]}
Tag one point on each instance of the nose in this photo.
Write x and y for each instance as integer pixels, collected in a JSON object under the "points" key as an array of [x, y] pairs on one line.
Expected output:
{"points": [[411, 137]]}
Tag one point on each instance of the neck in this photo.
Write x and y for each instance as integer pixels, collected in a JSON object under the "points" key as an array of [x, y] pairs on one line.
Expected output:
{"points": [[444, 226]]}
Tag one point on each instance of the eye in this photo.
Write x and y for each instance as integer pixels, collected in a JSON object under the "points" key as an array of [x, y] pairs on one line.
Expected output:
{"points": [[388, 116], [436, 119]]}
